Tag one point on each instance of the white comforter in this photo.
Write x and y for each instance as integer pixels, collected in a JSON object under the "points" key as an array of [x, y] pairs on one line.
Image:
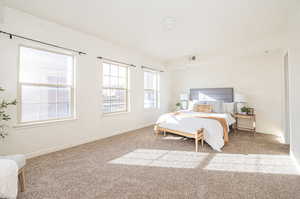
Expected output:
{"points": [[8, 179], [186, 122]]}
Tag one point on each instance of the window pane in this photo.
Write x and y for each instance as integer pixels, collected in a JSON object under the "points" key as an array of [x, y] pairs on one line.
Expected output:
{"points": [[43, 67], [114, 100], [106, 69], [64, 96], [122, 82], [46, 85], [106, 81], [151, 89], [43, 103], [150, 80], [146, 80], [114, 70], [114, 82], [154, 82], [114, 88], [118, 100], [149, 99], [122, 71], [106, 100]]}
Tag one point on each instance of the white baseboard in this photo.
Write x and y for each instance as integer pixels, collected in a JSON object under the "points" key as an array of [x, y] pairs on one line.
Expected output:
{"points": [[57, 148], [66, 146]]}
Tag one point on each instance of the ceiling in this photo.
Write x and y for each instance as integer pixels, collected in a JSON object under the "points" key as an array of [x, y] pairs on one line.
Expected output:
{"points": [[167, 29]]}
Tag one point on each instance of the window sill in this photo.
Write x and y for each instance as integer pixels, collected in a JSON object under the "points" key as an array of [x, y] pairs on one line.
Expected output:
{"points": [[115, 114], [151, 109], [43, 123]]}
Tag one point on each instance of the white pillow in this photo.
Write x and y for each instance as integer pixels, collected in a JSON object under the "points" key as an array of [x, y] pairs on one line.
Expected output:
{"points": [[218, 108], [191, 105], [228, 107]]}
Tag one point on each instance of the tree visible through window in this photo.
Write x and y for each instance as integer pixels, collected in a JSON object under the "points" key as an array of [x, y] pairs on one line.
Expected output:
{"points": [[46, 85], [115, 88]]}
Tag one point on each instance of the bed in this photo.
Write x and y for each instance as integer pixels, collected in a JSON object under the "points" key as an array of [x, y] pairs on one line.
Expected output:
{"points": [[205, 122]]}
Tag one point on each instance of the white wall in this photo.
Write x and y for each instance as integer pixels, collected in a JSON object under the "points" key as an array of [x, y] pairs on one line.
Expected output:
{"points": [[1, 11], [90, 125], [294, 68], [258, 77]]}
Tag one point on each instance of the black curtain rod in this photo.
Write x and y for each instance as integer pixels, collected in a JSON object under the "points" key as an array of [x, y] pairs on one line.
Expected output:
{"points": [[11, 35], [116, 61], [152, 69]]}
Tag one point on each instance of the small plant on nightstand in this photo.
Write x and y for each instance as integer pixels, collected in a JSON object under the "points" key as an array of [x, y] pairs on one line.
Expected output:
{"points": [[178, 106], [245, 110]]}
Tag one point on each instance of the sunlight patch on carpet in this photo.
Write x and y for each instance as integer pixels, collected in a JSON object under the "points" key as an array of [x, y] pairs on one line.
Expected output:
{"points": [[253, 163], [161, 158]]}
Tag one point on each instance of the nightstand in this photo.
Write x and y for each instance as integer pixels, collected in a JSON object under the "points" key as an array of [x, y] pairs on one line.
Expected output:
{"points": [[245, 122]]}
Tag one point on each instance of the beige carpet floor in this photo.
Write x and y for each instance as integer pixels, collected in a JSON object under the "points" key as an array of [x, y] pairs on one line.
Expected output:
{"points": [[140, 165]]}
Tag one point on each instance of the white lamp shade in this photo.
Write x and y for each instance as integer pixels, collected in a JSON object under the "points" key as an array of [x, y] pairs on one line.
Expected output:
{"points": [[239, 98]]}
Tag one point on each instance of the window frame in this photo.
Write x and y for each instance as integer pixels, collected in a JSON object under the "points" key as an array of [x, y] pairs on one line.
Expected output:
{"points": [[73, 108], [156, 90], [127, 89]]}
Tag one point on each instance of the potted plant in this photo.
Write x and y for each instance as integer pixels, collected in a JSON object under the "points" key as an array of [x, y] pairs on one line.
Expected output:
{"points": [[178, 106], [245, 110], [4, 116]]}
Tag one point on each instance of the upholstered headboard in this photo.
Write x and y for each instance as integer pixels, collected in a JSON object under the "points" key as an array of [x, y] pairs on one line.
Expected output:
{"points": [[212, 94]]}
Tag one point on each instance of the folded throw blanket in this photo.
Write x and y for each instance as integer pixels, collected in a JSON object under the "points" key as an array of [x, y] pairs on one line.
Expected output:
{"points": [[222, 121]]}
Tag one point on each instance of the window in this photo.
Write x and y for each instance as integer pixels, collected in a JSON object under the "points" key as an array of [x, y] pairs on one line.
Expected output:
{"points": [[115, 88], [46, 85], [151, 91]]}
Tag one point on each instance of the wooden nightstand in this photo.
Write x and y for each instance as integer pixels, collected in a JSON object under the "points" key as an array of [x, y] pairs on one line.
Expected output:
{"points": [[251, 121]]}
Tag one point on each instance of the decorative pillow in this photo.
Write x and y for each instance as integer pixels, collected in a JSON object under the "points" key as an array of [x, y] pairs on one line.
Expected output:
{"points": [[206, 108], [217, 106], [228, 107], [195, 103]]}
